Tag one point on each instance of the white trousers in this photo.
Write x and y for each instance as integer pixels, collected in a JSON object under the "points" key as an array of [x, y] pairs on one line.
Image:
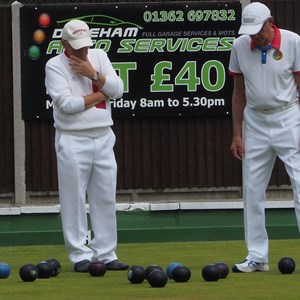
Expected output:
{"points": [[87, 170], [267, 136]]}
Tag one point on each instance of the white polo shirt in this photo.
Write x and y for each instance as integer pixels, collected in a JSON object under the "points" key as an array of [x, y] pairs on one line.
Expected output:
{"points": [[269, 75]]}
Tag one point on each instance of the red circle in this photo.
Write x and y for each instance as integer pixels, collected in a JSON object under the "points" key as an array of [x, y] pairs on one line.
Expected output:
{"points": [[44, 20]]}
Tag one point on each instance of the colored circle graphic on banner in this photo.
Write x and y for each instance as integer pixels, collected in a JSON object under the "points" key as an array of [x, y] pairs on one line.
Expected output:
{"points": [[39, 36], [34, 52], [44, 20]]}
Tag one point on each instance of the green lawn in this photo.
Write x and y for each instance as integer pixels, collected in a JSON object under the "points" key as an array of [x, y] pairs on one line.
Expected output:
{"points": [[114, 284]]}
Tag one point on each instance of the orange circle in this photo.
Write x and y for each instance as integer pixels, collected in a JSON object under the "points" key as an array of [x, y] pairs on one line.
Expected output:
{"points": [[39, 36]]}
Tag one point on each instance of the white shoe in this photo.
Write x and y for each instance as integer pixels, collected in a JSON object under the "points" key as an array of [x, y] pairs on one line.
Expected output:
{"points": [[248, 266]]}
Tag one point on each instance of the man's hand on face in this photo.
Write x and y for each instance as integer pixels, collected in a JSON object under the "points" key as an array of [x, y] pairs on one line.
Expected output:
{"points": [[81, 67]]}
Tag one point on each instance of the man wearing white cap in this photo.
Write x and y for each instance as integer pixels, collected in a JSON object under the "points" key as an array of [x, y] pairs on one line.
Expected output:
{"points": [[81, 82], [265, 62]]}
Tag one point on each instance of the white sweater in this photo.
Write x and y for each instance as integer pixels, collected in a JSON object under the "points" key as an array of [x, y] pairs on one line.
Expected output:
{"points": [[67, 89]]}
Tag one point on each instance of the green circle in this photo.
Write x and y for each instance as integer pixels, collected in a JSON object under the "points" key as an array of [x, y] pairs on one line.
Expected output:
{"points": [[34, 52]]}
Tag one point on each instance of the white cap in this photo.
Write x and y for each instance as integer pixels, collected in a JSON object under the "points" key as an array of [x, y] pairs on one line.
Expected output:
{"points": [[254, 16], [77, 33]]}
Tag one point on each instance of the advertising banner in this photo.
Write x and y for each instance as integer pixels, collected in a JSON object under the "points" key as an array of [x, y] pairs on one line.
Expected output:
{"points": [[172, 56]]}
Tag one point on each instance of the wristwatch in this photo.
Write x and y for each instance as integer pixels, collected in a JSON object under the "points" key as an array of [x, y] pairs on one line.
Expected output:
{"points": [[95, 76]]}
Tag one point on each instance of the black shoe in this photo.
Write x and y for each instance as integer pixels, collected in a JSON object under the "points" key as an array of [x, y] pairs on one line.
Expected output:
{"points": [[117, 266], [82, 266]]}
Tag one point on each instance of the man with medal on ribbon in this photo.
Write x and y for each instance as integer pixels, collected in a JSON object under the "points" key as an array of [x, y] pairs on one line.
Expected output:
{"points": [[265, 64]]}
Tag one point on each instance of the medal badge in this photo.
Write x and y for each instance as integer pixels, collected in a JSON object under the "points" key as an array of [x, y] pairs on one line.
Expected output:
{"points": [[277, 54]]}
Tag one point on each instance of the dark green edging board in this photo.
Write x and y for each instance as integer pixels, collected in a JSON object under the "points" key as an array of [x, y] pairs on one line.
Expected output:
{"points": [[150, 226]]}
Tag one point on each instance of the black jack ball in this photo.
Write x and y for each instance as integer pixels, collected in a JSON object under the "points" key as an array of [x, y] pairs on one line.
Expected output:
{"points": [[136, 274], [286, 265], [28, 272], [97, 268], [181, 274], [151, 268], [55, 266], [211, 272], [45, 270], [157, 278], [224, 269]]}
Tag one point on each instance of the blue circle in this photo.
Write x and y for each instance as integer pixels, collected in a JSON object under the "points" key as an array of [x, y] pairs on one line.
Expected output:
{"points": [[4, 270], [171, 267]]}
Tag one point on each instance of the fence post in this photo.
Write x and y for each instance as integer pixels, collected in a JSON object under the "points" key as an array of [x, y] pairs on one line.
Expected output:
{"points": [[19, 126]]}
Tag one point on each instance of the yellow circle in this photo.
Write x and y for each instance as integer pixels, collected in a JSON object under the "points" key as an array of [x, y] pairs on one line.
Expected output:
{"points": [[39, 36]]}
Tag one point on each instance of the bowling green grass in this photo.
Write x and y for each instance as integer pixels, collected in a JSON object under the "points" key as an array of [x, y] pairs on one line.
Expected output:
{"points": [[115, 285]]}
